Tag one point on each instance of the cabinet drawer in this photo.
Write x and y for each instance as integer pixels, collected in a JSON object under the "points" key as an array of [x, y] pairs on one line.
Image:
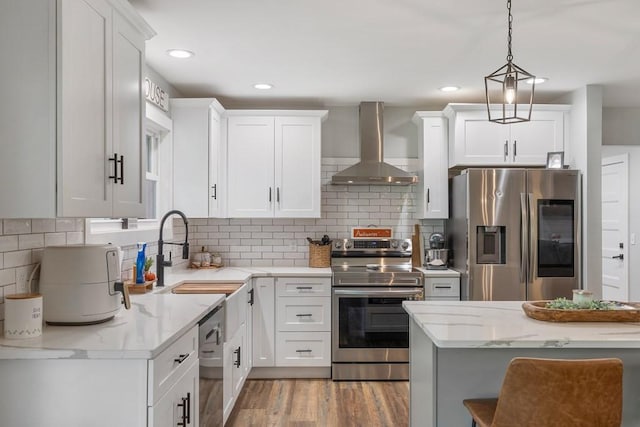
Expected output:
{"points": [[303, 314], [303, 349], [168, 411], [441, 287], [171, 364], [304, 286]]}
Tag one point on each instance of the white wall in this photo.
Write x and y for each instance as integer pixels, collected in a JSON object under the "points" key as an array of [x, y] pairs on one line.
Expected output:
{"points": [[633, 257], [583, 152], [621, 126]]}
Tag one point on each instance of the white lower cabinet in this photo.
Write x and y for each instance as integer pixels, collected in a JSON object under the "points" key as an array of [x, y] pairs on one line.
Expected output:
{"points": [[303, 349], [442, 288], [180, 405], [264, 322], [303, 322]]}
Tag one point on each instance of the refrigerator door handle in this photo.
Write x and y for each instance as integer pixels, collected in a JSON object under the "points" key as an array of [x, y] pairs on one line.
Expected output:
{"points": [[533, 238], [524, 238]]}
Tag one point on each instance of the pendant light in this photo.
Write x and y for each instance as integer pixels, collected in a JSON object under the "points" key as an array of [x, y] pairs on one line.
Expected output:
{"points": [[509, 101]]}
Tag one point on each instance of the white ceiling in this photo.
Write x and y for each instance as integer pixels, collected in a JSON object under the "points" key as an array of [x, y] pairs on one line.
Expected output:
{"points": [[341, 52]]}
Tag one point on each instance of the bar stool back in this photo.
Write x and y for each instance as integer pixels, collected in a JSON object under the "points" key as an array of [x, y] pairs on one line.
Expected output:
{"points": [[552, 393]]}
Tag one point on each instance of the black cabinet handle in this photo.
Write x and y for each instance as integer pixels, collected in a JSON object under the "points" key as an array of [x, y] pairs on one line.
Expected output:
{"points": [[620, 257], [121, 161], [215, 191], [114, 159], [304, 315], [304, 288], [251, 294], [506, 150], [181, 358], [278, 194], [515, 148], [304, 351], [188, 408], [237, 353], [428, 195], [269, 194], [184, 405]]}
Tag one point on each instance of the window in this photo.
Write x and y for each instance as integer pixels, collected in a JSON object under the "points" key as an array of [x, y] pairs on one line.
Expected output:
{"points": [[158, 188]]}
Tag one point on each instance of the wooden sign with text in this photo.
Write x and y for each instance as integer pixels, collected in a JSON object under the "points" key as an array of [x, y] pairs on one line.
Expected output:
{"points": [[371, 233]]}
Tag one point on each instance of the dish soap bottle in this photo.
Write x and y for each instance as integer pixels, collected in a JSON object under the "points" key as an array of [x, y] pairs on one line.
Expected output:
{"points": [[140, 262]]}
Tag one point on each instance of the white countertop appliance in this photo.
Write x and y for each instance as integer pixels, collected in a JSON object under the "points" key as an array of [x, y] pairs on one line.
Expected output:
{"points": [[80, 284]]}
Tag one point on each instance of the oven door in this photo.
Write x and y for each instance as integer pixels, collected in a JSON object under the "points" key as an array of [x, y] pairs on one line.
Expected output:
{"points": [[370, 325]]}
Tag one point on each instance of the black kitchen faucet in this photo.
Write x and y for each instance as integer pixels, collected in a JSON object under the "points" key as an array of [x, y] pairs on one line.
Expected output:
{"points": [[160, 262]]}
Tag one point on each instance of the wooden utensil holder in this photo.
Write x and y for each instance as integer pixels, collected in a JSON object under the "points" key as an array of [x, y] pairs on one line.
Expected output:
{"points": [[319, 255]]}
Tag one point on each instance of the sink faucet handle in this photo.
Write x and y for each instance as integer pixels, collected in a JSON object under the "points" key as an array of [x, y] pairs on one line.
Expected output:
{"points": [[185, 250]]}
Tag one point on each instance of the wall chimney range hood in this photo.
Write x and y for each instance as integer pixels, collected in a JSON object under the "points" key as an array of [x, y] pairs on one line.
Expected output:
{"points": [[372, 169]]}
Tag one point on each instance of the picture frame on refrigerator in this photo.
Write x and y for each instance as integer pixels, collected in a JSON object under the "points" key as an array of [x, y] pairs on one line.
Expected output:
{"points": [[555, 160]]}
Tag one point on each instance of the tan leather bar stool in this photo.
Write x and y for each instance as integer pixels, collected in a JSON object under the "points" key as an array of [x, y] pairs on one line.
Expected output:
{"points": [[552, 393]]}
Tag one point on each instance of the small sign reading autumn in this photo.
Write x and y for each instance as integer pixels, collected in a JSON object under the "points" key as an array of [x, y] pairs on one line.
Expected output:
{"points": [[371, 233]]}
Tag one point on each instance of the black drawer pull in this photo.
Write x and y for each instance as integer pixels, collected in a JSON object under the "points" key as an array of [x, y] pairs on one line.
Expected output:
{"points": [[304, 351], [304, 315], [304, 288], [443, 287], [181, 358]]}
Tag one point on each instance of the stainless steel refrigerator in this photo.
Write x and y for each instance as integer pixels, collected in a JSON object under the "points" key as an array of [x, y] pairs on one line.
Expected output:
{"points": [[515, 233]]}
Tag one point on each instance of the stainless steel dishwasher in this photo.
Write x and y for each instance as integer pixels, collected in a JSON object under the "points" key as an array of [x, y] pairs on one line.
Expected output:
{"points": [[211, 362]]}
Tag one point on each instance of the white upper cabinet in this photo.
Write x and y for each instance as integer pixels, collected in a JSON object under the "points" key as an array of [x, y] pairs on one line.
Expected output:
{"points": [[198, 157], [72, 142], [273, 163], [433, 187], [475, 141]]}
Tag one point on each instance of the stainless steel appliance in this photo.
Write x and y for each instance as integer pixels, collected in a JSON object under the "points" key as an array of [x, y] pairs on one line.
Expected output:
{"points": [[370, 329], [211, 339], [515, 233]]}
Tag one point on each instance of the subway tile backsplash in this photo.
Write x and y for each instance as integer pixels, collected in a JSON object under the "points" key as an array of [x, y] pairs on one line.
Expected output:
{"points": [[241, 242]]}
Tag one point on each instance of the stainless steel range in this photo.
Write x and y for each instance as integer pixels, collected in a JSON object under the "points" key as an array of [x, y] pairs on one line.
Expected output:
{"points": [[370, 329]]}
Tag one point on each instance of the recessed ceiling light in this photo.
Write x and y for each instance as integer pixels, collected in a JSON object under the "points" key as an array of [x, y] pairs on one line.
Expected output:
{"points": [[538, 80], [180, 53], [263, 86], [449, 88]]}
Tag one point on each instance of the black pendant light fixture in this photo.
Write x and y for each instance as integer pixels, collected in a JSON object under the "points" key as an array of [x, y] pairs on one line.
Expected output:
{"points": [[508, 100]]}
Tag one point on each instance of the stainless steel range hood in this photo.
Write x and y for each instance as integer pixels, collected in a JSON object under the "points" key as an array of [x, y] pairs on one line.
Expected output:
{"points": [[372, 169]]}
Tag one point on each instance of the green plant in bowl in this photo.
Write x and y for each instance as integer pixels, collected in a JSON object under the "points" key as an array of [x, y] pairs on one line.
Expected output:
{"points": [[565, 304]]}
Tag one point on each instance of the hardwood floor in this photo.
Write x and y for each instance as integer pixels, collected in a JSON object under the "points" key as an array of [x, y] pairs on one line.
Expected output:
{"points": [[320, 403]]}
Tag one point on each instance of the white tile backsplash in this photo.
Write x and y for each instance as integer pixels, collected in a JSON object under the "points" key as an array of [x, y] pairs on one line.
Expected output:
{"points": [[282, 241], [17, 226]]}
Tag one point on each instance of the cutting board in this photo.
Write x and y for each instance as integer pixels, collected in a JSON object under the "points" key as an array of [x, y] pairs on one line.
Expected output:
{"points": [[207, 288], [417, 256]]}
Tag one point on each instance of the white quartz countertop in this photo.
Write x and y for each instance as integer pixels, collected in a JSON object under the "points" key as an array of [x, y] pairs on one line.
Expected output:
{"points": [[151, 325], [176, 276], [438, 273], [503, 324]]}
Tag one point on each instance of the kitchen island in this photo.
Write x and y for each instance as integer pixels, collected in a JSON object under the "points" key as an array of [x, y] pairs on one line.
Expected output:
{"points": [[461, 350]]}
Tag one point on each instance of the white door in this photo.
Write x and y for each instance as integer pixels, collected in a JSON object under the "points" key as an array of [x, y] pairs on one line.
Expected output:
{"points": [[128, 116], [531, 141], [480, 142], [297, 167], [85, 119], [615, 225], [264, 321], [250, 175]]}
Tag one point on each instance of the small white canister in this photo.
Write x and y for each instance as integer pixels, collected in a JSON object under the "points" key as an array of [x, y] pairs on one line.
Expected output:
{"points": [[22, 316]]}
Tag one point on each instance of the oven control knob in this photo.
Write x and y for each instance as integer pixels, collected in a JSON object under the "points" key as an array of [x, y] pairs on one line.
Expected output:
{"points": [[348, 244], [338, 244], [394, 244], [405, 245]]}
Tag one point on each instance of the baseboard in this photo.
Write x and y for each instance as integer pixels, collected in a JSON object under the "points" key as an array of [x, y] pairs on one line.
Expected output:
{"points": [[281, 373]]}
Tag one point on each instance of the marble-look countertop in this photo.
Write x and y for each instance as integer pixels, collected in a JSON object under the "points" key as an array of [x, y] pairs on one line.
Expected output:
{"points": [[438, 273], [178, 275], [151, 325], [503, 324]]}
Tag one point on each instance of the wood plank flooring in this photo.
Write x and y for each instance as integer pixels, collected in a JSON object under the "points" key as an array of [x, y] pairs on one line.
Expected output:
{"points": [[321, 403]]}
